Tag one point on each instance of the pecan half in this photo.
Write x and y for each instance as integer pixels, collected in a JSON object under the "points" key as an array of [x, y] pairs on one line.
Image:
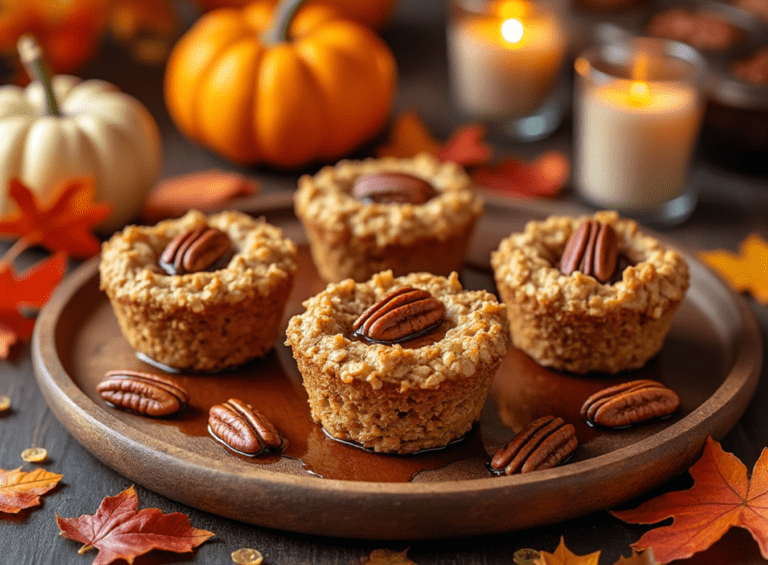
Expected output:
{"points": [[195, 250], [629, 403], [542, 444], [400, 315], [591, 249], [144, 393], [389, 188], [242, 428]]}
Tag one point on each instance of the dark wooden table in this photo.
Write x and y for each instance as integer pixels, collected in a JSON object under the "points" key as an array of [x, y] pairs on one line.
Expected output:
{"points": [[732, 204]]}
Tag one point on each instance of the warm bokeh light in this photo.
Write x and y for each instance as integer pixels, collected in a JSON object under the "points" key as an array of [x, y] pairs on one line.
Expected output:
{"points": [[512, 30]]}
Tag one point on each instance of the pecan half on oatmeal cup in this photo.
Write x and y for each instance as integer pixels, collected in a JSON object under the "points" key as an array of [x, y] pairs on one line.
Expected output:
{"points": [[588, 294], [398, 365], [403, 215], [199, 293]]}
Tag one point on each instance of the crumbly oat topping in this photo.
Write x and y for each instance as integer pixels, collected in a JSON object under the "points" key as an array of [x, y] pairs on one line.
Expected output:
{"points": [[529, 263], [478, 333], [263, 259], [326, 199]]}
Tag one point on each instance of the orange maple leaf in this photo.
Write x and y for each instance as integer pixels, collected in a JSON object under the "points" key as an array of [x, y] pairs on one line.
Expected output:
{"points": [[745, 271], [388, 557], [30, 290], [119, 530], [544, 177], [203, 190], [19, 490], [62, 225], [722, 496], [563, 556], [409, 136]]}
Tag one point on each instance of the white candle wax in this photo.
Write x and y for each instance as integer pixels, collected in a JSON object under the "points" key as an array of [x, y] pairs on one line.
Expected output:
{"points": [[496, 78], [633, 152]]}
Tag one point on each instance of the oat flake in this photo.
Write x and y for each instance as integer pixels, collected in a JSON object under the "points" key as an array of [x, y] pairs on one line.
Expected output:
{"points": [[247, 556]]}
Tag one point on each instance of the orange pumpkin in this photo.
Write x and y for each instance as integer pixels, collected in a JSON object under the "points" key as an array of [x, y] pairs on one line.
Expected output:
{"points": [[371, 13], [249, 94], [69, 32]]}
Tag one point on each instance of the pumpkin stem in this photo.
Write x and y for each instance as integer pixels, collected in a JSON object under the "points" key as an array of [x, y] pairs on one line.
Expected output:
{"points": [[284, 12], [31, 55]]}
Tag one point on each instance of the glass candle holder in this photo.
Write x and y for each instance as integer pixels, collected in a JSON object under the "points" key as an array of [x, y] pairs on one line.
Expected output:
{"points": [[637, 114], [505, 59]]}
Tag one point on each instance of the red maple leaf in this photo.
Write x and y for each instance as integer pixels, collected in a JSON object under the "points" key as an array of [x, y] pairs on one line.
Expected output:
{"points": [[543, 177], [466, 146], [64, 224], [19, 490], [30, 290], [120, 531], [409, 136], [722, 496]]}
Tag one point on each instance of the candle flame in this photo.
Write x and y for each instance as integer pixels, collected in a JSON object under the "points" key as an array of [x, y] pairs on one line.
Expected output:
{"points": [[638, 91], [512, 30]]}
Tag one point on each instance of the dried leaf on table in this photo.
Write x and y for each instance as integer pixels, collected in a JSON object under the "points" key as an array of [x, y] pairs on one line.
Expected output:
{"points": [[563, 556], [409, 136], [722, 496], [638, 558], [120, 531], [202, 190], [545, 176], [30, 290], [746, 270], [466, 147], [19, 490], [388, 557], [64, 224]]}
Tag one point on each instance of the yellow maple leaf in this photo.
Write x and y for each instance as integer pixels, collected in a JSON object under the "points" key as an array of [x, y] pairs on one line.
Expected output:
{"points": [[563, 556], [746, 270]]}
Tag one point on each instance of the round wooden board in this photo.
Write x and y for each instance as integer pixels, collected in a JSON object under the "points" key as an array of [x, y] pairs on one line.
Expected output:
{"points": [[712, 358]]}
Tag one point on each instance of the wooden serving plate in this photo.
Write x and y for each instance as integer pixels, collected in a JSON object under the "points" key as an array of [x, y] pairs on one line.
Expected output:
{"points": [[712, 358]]}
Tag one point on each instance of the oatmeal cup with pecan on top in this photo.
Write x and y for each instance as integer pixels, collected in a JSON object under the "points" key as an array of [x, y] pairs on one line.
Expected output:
{"points": [[403, 215], [398, 365], [589, 294], [199, 293]]}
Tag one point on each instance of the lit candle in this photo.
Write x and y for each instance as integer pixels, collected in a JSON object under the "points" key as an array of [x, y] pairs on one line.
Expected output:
{"points": [[505, 61], [635, 136]]}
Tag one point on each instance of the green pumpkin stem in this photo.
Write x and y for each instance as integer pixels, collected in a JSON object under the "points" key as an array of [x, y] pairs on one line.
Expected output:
{"points": [[283, 12], [31, 55]]}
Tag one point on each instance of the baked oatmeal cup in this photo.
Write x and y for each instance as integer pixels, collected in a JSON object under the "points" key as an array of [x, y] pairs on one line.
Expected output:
{"points": [[407, 396], [404, 215], [187, 317], [574, 322]]}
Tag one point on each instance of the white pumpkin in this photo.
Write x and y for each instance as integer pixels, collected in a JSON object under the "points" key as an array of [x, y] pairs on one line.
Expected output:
{"points": [[100, 132]]}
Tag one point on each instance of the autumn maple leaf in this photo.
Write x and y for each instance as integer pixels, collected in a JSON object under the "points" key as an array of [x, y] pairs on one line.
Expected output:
{"points": [[65, 224], [722, 496], [30, 290], [120, 531], [409, 136], [19, 490], [544, 177], [745, 271], [563, 556], [388, 557]]}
